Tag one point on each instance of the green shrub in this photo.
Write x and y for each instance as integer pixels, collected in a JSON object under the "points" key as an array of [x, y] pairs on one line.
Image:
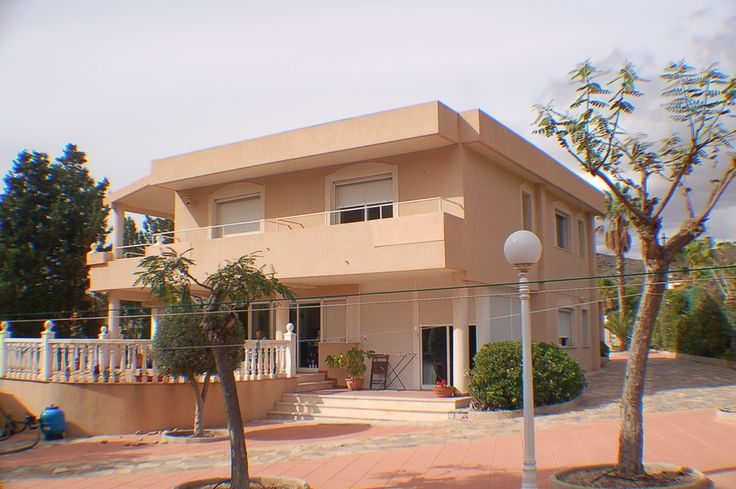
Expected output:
{"points": [[495, 381], [694, 322], [183, 329]]}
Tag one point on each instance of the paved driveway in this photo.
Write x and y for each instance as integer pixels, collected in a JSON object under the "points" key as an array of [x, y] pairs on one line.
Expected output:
{"points": [[681, 427]]}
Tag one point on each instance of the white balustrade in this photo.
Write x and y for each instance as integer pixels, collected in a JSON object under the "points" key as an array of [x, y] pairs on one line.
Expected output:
{"points": [[105, 360]]}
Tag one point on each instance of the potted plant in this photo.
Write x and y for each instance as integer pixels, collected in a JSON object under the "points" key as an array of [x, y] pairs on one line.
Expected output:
{"points": [[354, 362], [441, 389]]}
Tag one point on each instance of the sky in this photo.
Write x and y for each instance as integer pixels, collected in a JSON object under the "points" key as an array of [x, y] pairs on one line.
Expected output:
{"points": [[133, 81]]}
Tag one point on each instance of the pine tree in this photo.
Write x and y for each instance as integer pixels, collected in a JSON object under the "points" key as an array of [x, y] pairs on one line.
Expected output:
{"points": [[50, 216]]}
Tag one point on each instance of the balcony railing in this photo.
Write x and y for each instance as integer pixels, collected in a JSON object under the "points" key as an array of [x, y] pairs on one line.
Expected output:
{"points": [[303, 221], [106, 361]]}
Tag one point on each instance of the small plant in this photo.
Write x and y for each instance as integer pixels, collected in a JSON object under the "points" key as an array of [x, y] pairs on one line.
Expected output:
{"points": [[441, 383], [442, 389], [353, 361]]}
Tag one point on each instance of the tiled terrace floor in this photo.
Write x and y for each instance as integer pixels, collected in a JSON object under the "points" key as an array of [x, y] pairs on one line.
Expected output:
{"points": [[681, 427]]}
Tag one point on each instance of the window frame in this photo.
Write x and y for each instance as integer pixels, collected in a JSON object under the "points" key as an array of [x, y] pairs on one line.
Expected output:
{"points": [[571, 339], [354, 173], [526, 191], [585, 326], [232, 192], [563, 213], [582, 237]]}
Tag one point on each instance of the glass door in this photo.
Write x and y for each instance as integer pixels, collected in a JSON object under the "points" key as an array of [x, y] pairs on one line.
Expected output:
{"points": [[436, 358], [307, 318]]}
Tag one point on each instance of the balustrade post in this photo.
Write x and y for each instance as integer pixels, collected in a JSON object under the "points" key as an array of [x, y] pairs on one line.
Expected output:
{"points": [[102, 352], [4, 334], [46, 350], [290, 336]]}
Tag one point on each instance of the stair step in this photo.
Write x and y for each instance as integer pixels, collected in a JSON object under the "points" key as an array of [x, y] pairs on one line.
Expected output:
{"points": [[315, 386], [357, 414], [443, 405], [311, 377]]}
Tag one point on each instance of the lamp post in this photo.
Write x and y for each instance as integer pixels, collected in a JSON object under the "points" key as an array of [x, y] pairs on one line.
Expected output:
{"points": [[523, 249]]}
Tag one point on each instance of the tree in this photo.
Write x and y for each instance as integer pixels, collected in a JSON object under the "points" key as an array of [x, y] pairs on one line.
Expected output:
{"points": [[181, 349], [705, 254], [699, 102], [232, 286], [50, 216], [155, 229], [618, 241]]}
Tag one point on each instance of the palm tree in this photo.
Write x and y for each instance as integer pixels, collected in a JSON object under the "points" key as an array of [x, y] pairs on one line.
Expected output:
{"points": [[618, 241]]}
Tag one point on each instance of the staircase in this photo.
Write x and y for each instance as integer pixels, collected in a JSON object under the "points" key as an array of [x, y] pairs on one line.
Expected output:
{"points": [[367, 405]]}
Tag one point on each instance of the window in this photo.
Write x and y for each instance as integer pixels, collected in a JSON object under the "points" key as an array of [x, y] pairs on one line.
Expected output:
{"points": [[363, 200], [562, 230], [564, 327], [582, 238], [586, 327], [238, 215], [527, 212], [260, 320]]}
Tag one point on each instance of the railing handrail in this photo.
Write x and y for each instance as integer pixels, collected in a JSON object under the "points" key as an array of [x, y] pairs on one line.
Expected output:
{"points": [[288, 219]]}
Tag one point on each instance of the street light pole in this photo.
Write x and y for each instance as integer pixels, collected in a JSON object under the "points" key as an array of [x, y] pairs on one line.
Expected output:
{"points": [[522, 250]]}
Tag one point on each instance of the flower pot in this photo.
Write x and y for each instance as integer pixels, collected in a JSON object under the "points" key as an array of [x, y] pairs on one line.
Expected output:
{"points": [[354, 384], [446, 391]]}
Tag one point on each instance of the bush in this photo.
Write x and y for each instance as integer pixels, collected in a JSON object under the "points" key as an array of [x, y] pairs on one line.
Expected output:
{"points": [[692, 322], [183, 329], [495, 381]]}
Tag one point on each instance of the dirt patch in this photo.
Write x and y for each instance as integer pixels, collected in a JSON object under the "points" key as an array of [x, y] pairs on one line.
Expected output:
{"points": [[255, 483], [656, 476]]}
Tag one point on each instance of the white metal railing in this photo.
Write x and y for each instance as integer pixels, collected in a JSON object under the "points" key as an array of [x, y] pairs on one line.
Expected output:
{"points": [[303, 221], [106, 360]]}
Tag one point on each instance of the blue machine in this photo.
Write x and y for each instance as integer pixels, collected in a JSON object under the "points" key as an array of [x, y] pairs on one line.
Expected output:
{"points": [[53, 423]]}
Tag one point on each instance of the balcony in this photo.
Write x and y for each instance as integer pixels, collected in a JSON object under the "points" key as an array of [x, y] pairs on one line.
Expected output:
{"points": [[416, 237]]}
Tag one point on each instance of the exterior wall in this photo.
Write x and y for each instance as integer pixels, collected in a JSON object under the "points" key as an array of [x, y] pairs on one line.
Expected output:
{"points": [[96, 409]]}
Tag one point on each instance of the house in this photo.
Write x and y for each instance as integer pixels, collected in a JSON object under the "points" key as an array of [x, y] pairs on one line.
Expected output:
{"points": [[389, 227]]}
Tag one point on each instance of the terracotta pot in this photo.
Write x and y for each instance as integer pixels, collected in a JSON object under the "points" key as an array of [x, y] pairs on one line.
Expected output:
{"points": [[447, 391], [354, 384]]}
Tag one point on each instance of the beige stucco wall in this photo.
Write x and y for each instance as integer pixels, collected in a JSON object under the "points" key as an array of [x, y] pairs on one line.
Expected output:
{"points": [[95, 409]]}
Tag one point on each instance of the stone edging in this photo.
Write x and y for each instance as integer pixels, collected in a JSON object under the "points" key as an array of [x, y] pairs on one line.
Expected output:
{"points": [[211, 436], [700, 481], [516, 413], [718, 362]]}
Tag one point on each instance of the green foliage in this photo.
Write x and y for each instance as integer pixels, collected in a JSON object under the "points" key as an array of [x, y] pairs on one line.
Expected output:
{"points": [[353, 361], [693, 321], [495, 381], [622, 327], [175, 336], [51, 214]]}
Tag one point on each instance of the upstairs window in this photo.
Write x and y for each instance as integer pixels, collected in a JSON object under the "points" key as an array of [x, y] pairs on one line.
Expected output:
{"points": [[582, 237], [562, 230], [363, 200], [527, 219], [238, 215], [564, 327]]}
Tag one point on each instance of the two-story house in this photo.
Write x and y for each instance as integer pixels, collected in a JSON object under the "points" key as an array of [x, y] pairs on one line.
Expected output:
{"points": [[389, 227]]}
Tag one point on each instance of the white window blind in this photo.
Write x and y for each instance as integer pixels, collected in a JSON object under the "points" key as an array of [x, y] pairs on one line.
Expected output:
{"points": [[564, 327], [586, 327], [365, 192], [239, 215]]}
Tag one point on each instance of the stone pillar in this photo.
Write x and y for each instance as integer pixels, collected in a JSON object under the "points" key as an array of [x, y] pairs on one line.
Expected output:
{"points": [[46, 351], [113, 316], [117, 216], [483, 316], [4, 334], [154, 321], [281, 317], [460, 349]]}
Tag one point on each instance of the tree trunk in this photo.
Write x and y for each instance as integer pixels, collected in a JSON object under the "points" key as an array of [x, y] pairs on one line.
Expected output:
{"points": [[239, 476], [198, 407], [631, 438], [620, 291]]}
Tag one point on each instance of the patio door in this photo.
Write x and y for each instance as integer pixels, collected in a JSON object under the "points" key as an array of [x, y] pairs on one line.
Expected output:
{"points": [[307, 320], [436, 355]]}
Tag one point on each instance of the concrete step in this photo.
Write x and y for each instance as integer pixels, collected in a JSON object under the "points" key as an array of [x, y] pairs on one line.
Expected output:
{"points": [[314, 386], [440, 404], [311, 377], [285, 412]]}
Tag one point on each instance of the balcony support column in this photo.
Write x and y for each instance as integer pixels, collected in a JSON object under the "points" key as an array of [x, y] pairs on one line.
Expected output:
{"points": [[460, 347], [154, 321], [117, 216], [281, 318], [113, 316], [483, 316]]}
